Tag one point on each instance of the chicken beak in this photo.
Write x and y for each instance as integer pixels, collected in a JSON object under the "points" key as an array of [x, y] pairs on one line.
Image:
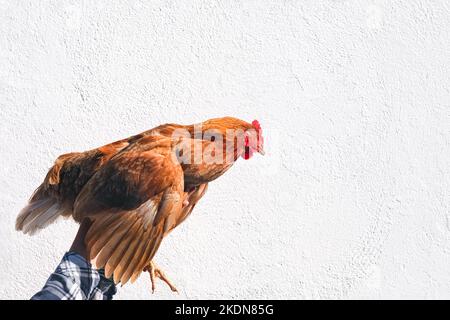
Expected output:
{"points": [[261, 151]]}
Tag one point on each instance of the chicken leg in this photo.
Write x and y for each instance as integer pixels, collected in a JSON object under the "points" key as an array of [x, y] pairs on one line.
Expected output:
{"points": [[156, 272]]}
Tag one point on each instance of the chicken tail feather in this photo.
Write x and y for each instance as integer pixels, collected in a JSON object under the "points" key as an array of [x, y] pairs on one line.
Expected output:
{"points": [[37, 215]]}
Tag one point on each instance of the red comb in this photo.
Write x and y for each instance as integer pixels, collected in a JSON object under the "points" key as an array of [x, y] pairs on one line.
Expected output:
{"points": [[256, 125]]}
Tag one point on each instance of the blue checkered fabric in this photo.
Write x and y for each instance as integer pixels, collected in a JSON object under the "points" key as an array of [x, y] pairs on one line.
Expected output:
{"points": [[76, 279]]}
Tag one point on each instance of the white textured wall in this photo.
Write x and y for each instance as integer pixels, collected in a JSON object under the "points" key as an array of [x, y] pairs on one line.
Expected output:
{"points": [[352, 200]]}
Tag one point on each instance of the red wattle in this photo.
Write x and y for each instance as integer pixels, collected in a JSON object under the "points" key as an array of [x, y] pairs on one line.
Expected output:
{"points": [[248, 153]]}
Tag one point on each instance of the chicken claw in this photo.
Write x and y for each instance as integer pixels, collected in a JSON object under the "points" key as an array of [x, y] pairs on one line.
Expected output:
{"points": [[156, 272]]}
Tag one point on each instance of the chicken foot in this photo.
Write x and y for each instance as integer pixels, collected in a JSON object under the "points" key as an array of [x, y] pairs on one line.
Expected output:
{"points": [[156, 272]]}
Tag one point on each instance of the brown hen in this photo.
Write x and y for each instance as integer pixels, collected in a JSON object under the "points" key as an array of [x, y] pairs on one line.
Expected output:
{"points": [[136, 190]]}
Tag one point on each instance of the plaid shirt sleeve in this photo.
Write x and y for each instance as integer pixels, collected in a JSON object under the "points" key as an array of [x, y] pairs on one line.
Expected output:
{"points": [[76, 279]]}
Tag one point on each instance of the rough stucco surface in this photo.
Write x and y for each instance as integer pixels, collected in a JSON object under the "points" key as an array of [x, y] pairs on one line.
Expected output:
{"points": [[352, 200]]}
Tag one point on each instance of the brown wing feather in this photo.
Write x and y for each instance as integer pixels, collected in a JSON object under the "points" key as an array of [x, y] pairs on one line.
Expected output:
{"points": [[151, 247], [132, 200], [102, 234], [112, 245], [128, 255]]}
